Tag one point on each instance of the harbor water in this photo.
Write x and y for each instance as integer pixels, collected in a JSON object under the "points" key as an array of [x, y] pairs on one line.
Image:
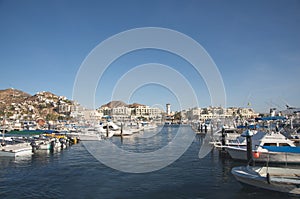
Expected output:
{"points": [[75, 173]]}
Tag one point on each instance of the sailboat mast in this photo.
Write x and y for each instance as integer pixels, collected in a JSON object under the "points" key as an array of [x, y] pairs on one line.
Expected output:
{"points": [[3, 130]]}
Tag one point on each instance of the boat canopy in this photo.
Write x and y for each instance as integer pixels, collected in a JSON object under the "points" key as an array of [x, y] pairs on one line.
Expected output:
{"points": [[285, 149], [252, 126], [270, 118]]}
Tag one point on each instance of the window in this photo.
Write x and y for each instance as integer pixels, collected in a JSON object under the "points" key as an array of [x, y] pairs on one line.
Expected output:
{"points": [[270, 144], [284, 144]]}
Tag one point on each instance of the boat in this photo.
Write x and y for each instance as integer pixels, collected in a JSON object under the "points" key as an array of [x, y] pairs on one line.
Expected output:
{"points": [[148, 126], [46, 142], [283, 150], [11, 147], [14, 148], [125, 130], [90, 134], [89, 137], [109, 129], [232, 137], [286, 180]]}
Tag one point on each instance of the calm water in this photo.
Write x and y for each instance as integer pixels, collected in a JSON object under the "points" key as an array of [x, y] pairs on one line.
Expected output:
{"points": [[74, 173]]}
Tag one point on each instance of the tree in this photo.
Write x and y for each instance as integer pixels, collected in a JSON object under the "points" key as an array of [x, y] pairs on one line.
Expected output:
{"points": [[177, 116], [51, 117]]}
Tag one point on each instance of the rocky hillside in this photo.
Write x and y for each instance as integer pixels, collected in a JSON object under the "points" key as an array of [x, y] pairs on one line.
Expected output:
{"points": [[12, 95], [115, 104], [17, 104]]}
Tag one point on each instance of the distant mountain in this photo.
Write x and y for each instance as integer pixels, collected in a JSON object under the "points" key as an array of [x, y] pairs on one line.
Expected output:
{"points": [[12, 95], [115, 104], [134, 105]]}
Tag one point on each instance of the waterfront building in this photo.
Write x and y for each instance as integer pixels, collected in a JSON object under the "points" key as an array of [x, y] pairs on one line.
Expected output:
{"points": [[91, 115], [122, 113], [125, 113], [193, 114], [219, 112]]}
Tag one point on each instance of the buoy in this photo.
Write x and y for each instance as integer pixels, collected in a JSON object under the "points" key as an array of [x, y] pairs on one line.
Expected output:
{"points": [[256, 154]]}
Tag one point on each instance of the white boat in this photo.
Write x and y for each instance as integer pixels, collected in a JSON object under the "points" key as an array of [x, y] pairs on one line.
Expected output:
{"points": [[148, 126], [109, 129], [47, 144], [285, 180], [12, 148], [125, 130], [260, 143], [89, 134], [89, 137], [15, 149], [231, 137]]}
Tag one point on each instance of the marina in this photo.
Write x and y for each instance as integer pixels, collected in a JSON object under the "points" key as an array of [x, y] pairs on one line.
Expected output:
{"points": [[62, 173], [149, 99]]}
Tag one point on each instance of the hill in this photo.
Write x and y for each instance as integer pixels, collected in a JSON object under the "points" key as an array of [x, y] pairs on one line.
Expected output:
{"points": [[12, 95], [134, 105], [116, 104], [17, 104]]}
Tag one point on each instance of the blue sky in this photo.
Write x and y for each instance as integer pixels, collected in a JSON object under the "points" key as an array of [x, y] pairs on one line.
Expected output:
{"points": [[255, 45]]}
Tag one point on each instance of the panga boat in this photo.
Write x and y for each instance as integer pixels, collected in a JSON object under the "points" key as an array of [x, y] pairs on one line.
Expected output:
{"points": [[285, 180]]}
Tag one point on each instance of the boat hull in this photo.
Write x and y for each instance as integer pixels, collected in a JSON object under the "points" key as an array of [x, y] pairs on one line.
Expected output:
{"points": [[89, 137], [276, 157], [247, 176], [16, 150]]}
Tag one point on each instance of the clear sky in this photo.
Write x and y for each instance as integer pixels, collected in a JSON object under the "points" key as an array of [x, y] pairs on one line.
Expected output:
{"points": [[255, 45]]}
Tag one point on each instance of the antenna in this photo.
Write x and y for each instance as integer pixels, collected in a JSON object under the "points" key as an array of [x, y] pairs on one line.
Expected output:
{"points": [[286, 103]]}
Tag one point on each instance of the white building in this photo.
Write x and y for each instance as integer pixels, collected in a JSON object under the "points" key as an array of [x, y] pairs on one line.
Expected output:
{"points": [[219, 112], [125, 113], [168, 109], [146, 111], [121, 111], [193, 114], [91, 115]]}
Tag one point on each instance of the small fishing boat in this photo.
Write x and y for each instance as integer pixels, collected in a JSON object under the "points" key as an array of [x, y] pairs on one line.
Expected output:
{"points": [[285, 180]]}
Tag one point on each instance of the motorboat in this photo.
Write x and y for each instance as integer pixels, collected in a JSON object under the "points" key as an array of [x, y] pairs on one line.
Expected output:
{"points": [[285, 180], [90, 134], [43, 142], [13, 148], [232, 137], [109, 129], [261, 143]]}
